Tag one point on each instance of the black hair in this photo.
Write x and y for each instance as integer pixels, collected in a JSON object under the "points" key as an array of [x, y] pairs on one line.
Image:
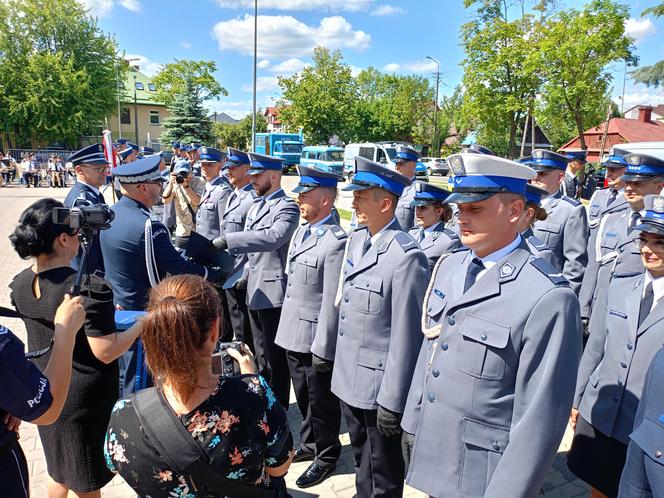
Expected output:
{"points": [[36, 232]]}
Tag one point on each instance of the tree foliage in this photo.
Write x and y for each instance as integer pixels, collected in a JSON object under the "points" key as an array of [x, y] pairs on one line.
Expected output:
{"points": [[188, 121], [651, 75], [238, 135], [58, 72], [175, 77]]}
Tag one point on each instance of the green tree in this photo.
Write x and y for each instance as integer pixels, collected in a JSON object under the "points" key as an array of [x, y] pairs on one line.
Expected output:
{"points": [[175, 77], [57, 71], [188, 121], [238, 135], [651, 75], [320, 99], [575, 67]]}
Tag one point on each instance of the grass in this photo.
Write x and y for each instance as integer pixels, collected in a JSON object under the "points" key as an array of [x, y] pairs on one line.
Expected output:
{"points": [[344, 214]]}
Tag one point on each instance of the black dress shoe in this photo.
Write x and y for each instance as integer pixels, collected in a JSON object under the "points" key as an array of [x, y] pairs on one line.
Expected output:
{"points": [[302, 455], [315, 474]]}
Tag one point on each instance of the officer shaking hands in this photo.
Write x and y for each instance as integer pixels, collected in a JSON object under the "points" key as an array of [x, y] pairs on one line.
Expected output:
{"points": [[309, 321], [486, 409], [405, 163], [382, 286]]}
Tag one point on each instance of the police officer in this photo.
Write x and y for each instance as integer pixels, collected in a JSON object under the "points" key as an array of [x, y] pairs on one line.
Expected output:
{"points": [[616, 254], [431, 214], [565, 230], [532, 213], [213, 202], [643, 475], [28, 394], [138, 251], [175, 149], [477, 149], [493, 378], [625, 334], [90, 165], [381, 290], [406, 162], [309, 321], [193, 155], [129, 154], [577, 184], [271, 221], [233, 220]]}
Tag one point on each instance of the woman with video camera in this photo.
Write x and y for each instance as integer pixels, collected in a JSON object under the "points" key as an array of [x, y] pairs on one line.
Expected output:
{"points": [[235, 423], [73, 445]]}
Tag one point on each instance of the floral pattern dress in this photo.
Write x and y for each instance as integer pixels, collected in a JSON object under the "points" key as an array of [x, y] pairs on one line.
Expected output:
{"points": [[241, 427]]}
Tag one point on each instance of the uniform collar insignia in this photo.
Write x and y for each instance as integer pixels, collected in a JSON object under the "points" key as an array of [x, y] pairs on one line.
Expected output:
{"points": [[439, 293], [506, 270], [320, 232]]}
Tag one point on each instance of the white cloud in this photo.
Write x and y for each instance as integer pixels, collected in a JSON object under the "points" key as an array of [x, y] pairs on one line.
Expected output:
{"points": [[290, 66], [392, 67], [132, 5], [263, 84], [145, 65], [264, 64], [185, 44], [102, 8], [639, 28], [354, 70], [325, 5], [423, 66], [387, 10], [640, 98], [281, 37]]}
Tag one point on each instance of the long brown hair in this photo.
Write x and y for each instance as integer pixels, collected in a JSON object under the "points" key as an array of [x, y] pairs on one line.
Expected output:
{"points": [[181, 311], [539, 213]]}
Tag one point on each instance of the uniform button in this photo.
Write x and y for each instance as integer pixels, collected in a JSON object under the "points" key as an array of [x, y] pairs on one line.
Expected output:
{"points": [[495, 445], [622, 249], [345, 272], [352, 283], [315, 317], [435, 372], [287, 296], [290, 285], [380, 364], [345, 299], [629, 346], [658, 453], [253, 267], [343, 316], [451, 320], [483, 337], [290, 271], [341, 332], [620, 382], [615, 398], [623, 364], [444, 346], [431, 398]]}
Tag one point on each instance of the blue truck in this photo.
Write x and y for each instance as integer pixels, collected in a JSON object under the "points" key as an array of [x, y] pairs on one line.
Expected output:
{"points": [[288, 146]]}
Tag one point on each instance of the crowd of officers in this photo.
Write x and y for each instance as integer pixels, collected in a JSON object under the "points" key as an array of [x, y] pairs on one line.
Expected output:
{"points": [[457, 330]]}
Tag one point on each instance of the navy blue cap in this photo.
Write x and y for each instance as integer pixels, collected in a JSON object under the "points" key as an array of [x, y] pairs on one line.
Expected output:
{"points": [[140, 171], [236, 158], [477, 149], [125, 153], [182, 165], [575, 155], [92, 154], [652, 217], [370, 174], [195, 146], [641, 167], [477, 177], [260, 163], [528, 160], [121, 141], [185, 147], [427, 193], [311, 178], [615, 161], [534, 194], [132, 145], [547, 160], [146, 151], [209, 155], [175, 145], [406, 154]]}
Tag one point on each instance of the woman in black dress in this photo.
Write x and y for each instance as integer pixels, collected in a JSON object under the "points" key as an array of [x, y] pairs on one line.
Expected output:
{"points": [[73, 445]]}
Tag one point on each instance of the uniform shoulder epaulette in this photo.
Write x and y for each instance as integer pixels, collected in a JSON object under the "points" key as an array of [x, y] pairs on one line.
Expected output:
{"points": [[450, 233], [627, 274], [573, 202], [338, 232], [406, 241], [537, 243], [461, 249], [547, 269]]}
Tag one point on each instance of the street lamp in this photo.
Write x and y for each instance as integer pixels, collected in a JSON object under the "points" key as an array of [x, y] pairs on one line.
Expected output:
{"points": [[253, 113], [117, 82], [434, 142], [135, 112]]}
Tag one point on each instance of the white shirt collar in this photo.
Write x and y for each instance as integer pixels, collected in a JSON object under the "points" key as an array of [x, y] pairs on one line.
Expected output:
{"points": [[376, 236], [657, 287], [94, 189], [491, 260]]}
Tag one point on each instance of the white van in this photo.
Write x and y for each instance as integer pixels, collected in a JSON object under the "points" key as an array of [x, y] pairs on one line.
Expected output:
{"points": [[654, 149], [383, 152]]}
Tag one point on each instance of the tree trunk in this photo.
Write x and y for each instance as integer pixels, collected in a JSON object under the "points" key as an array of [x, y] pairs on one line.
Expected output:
{"points": [[512, 141], [579, 128]]}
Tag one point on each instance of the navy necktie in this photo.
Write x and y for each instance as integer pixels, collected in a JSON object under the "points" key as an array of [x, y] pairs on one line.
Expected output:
{"points": [[474, 268], [634, 218], [366, 246], [646, 303], [307, 232], [100, 198], [612, 196]]}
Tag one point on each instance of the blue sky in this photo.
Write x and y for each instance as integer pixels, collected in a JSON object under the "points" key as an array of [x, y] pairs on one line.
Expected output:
{"points": [[392, 35]]}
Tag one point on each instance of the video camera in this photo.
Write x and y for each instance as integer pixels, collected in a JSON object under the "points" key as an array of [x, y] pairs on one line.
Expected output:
{"points": [[85, 216], [181, 176]]}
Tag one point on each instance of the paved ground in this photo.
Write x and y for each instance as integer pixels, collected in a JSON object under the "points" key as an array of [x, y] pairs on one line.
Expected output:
{"points": [[559, 483]]}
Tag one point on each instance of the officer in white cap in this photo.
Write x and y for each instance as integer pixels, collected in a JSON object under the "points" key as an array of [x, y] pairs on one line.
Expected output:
{"points": [[486, 409]]}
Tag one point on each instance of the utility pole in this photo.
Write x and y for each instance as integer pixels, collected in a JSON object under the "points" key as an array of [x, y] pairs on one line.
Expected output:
{"points": [[135, 112], [434, 142], [253, 108]]}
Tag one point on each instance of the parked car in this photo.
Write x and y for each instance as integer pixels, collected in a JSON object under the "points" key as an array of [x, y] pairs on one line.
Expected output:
{"points": [[381, 152], [435, 165]]}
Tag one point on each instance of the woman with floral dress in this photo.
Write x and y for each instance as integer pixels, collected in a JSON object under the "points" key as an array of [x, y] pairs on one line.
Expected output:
{"points": [[235, 420]]}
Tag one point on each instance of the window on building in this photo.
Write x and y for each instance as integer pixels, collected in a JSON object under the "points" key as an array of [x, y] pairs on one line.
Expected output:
{"points": [[125, 116], [154, 118], [139, 85], [121, 85], [152, 87]]}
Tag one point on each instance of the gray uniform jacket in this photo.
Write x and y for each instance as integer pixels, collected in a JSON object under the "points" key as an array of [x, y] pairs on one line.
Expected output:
{"points": [[617, 357], [265, 242], [235, 215], [537, 247], [565, 232], [309, 316], [380, 304], [211, 208], [405, 213], [494, 382], [440, 241], [602, 203], [615, 253]]}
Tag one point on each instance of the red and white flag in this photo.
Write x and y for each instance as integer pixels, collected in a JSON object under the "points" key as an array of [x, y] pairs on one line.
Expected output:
{"points": [[107, 142]]}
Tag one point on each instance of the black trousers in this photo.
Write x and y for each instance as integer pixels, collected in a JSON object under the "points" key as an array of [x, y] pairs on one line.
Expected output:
{"points": [[14, 472], [379, 465], [271, 359], [321, 412], [236, 300]]}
